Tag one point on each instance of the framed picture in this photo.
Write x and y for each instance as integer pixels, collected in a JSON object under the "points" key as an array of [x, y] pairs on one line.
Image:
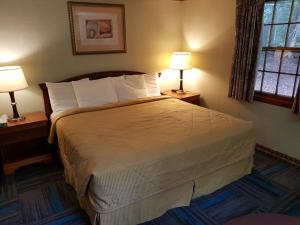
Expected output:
{"points": [[97, 28]]}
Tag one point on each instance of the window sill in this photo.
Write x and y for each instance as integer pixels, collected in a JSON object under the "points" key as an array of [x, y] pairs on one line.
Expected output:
{"points": [[274, 99]]}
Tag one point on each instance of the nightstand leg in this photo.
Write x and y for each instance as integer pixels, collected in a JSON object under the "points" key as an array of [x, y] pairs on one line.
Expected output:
{"points": [[2, 158]]}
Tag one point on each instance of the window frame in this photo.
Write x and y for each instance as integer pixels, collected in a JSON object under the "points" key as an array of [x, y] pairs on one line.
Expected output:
{"points": [[269, 98]]}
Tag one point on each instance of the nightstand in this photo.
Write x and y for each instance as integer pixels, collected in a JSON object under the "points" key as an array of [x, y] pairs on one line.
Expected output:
{"points": [[189, 97], [25, 142]]}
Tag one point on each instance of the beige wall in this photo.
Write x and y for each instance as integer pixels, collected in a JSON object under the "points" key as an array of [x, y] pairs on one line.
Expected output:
{"points": [[208, 30], [35, 35]]}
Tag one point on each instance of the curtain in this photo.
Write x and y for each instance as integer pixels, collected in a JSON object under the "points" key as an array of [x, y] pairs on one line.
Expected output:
{"points": [[249, 17], [296, 106]]}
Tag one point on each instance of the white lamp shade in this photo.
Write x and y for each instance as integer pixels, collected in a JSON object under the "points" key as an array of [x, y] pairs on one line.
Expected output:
{"points": [[180, 61], [12, 79]]}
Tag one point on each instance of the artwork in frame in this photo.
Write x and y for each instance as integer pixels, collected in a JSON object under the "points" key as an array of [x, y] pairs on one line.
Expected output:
{"points": [[97, 28]]}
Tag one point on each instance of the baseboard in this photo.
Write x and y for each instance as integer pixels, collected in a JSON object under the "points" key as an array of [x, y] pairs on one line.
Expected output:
{"points": [[278, 155]]}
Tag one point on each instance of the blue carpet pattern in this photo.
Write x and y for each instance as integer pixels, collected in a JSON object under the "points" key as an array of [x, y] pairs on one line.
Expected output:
{"points": [[38, 195]]}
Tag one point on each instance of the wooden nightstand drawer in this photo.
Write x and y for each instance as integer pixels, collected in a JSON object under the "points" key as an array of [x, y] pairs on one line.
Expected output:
{"points": [[192, 100], [23, 135]]}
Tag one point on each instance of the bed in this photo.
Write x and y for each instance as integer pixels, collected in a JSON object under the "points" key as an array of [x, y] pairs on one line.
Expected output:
{"points": [[131, 161]]}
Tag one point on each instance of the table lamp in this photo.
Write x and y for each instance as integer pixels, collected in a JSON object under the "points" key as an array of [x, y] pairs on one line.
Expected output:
{"points": [[12, 79], [180, 61]]}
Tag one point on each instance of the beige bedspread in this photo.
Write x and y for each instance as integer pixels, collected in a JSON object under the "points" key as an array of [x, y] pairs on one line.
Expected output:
{"points": [[121, 153]]}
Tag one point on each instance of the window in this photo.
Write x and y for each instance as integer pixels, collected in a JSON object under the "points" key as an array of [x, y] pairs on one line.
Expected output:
{"points": [[278, 65]]}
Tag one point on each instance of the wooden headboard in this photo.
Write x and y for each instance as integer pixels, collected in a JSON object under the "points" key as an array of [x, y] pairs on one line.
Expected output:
{"points": [[91, 76]]}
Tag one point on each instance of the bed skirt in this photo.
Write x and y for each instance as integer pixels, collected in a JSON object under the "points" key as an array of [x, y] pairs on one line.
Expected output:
{"points": [[156, 205]]}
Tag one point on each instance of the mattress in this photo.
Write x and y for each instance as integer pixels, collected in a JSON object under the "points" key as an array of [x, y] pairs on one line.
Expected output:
{"points": [[120, 154]]}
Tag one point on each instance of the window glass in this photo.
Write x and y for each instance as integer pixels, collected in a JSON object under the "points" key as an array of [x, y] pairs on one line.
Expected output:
{"points": [[268, 13], [290, 62], [286, 85], [261, 60], [278, 35], [273, 61], [258, 81], [270, 83], [294, 36], [283, 10], [265, 37], [297, 85], [296, 12]]}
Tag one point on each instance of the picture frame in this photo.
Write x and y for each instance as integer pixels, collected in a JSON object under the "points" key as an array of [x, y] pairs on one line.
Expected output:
{"points": [[97, 28]]}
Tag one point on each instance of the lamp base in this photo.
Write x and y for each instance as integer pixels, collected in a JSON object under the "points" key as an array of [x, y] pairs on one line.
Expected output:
{"points": [[18, 119], [180, 92]]}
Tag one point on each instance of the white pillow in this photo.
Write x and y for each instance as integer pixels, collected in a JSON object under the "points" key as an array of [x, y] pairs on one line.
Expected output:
{"points": [[62, 96], [152, 83], [95, 92], [130, 87]]}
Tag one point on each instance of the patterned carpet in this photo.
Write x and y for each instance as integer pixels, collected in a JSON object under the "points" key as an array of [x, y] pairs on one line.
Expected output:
{"points": [[38, 195]]}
